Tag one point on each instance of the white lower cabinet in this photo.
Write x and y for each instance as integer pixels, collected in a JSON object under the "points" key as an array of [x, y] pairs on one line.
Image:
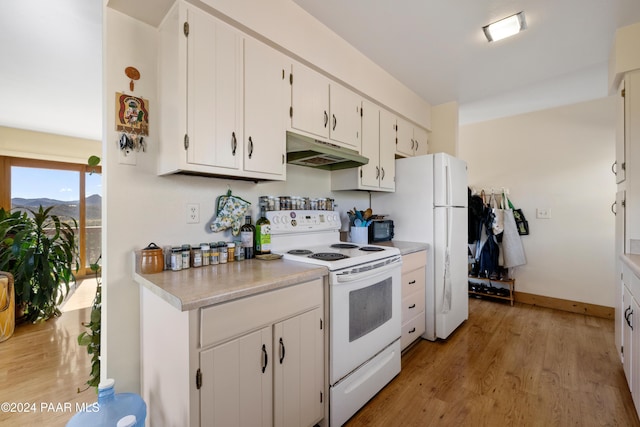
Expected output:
{"points": [[631, 332], [413, 297], [254, 361]]}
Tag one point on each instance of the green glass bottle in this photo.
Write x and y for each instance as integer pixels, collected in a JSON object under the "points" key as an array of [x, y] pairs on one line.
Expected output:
{"points": [[263, 234]]}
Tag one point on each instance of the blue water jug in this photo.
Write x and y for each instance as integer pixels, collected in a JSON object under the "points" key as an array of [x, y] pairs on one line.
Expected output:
{"points": [[112, 409]]}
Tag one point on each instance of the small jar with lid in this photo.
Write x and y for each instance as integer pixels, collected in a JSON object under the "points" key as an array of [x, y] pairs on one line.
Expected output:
{"points": [[224, 255], [231, 251], [239, 253], [196, 256], [186, 256], [176, 258], [206, 254], [215, 254]]}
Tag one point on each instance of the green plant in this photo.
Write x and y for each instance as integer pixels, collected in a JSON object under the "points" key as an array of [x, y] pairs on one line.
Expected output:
{"points": [[91, 338], [39, 249]]}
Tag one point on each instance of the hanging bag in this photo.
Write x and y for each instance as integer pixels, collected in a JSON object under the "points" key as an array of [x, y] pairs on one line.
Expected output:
{"points": [[512, 248], [497, 225], [521, 221]]}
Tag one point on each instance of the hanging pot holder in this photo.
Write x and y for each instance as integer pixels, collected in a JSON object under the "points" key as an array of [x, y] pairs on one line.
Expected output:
{"points": [[230, 211]]}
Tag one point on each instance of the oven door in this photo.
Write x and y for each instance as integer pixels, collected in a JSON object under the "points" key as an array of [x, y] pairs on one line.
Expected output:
{"points": [[365, 313]]}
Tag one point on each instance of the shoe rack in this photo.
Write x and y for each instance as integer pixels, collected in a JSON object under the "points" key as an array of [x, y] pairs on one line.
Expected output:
{"points": [[484, 287]]}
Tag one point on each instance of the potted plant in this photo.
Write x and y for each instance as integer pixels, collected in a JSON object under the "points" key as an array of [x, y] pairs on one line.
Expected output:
{"points": [[91, 338], [39, 249]]}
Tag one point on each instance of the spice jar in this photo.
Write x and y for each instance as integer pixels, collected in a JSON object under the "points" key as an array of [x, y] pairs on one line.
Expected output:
{"points": [[215, 254], [231, 251], [196, 258], [239, 254], [224, 255], [206, 254], [186, 256], [176, 258]]}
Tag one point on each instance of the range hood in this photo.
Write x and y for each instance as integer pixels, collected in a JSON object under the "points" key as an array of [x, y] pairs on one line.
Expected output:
{"points": [[305, 151]]}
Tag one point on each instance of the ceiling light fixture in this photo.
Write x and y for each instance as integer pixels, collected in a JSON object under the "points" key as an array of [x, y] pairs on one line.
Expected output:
{"points": [[506, 27]]}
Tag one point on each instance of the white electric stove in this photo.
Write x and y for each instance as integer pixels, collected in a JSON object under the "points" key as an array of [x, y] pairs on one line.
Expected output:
{"points": [[364, 304]]}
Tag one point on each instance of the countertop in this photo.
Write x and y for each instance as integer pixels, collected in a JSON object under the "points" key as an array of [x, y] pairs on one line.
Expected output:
{"points": [[405, 247], [633, 261], [193, 288]]}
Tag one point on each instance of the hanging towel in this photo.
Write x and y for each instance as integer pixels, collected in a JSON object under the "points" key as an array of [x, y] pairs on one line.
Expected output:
{"points": [[512, 249]]}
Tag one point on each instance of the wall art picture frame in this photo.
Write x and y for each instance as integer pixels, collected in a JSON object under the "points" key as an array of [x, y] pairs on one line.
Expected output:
{"points": [[132, 114]]}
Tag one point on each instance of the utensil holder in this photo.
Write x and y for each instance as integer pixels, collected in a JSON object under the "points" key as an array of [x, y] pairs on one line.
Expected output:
{"points": [[360, 235]]}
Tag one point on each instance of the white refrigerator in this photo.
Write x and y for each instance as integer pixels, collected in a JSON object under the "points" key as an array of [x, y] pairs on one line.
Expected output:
{"points": [[430, 206]]}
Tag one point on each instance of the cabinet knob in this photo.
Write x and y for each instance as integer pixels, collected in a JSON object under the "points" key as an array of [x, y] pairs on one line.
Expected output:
{"points": [[326, 119], [265, 358], [412, 330], [250, 147], [412, 306], [335, 121], [282, 351]]}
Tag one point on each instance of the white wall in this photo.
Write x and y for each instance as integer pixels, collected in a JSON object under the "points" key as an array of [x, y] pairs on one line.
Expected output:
{"points": [[557, 159], [141, 207]]}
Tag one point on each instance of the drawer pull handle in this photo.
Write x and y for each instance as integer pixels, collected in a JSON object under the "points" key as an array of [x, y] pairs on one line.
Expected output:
{"points": [[265, 358], [412, 330], [281, 351], [412, 282], [412, 306]]}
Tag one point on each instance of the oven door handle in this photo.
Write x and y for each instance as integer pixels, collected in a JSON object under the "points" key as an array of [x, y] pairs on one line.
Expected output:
{"points": [[351, 277]]}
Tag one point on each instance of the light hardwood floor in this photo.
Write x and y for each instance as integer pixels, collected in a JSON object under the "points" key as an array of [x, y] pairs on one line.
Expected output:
{"points": [[505, 366], [509, 366], [41, 368]]}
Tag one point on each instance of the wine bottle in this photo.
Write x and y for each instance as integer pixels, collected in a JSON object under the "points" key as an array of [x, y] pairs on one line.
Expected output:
{"points": [[263, 234], [247, 234]]}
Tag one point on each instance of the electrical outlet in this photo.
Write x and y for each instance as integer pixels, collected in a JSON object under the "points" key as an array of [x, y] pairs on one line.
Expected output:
{"points": [[193, 213], [543, 213]]}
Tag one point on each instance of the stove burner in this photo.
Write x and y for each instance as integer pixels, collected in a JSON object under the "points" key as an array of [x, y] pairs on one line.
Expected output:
{"points": [[344, 246], [328, 256], [371, 249], [300, 252]]}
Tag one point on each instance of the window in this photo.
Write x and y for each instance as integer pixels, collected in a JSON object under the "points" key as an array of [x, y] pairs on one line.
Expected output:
{"points": [[74, 190]]}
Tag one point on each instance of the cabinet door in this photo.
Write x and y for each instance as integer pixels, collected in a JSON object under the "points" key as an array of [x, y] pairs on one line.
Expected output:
{"points": [[387, 150], [298, 370], [214, 91], [345, 121], [635, 354], [405, 144], [236, 382], [627, 339], [265, 109], [309, 101], [420, 139], [370, 173]]}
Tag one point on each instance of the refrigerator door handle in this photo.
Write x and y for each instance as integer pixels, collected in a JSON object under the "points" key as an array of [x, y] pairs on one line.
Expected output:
{"points": [[446, 283]]}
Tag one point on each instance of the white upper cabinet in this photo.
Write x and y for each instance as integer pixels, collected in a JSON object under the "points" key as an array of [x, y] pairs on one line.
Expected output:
{"points": [[202, 101], [265, 108], [412, 140], [345, 121], [378, 145], [324, 109]]}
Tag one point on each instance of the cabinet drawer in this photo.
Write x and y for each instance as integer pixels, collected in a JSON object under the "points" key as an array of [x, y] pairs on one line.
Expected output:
{"points": [[413, 281], [414, 261], [412, 330], [225, 321], [412, 305], [631, 280]]}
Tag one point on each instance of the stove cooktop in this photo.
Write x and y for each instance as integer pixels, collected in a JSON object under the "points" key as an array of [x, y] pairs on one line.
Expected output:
{"points": [[339, 255]]}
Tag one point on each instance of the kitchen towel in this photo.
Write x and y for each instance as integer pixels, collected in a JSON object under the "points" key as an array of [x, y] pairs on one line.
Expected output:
{"points": [[512, 249]]}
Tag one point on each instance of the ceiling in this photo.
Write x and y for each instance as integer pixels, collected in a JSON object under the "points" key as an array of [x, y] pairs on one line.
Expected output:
{"points": [[438, 49], [51, 73]]}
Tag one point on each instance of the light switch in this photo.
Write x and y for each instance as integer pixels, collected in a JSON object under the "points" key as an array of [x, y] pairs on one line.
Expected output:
{"points": [[543, 213]]}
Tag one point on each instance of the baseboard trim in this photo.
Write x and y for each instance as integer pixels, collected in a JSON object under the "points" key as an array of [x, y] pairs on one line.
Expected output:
{"points": [[566, 305]]}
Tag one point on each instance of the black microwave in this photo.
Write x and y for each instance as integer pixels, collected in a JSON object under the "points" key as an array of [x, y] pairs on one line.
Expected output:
{"points": [[380, 230]]}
